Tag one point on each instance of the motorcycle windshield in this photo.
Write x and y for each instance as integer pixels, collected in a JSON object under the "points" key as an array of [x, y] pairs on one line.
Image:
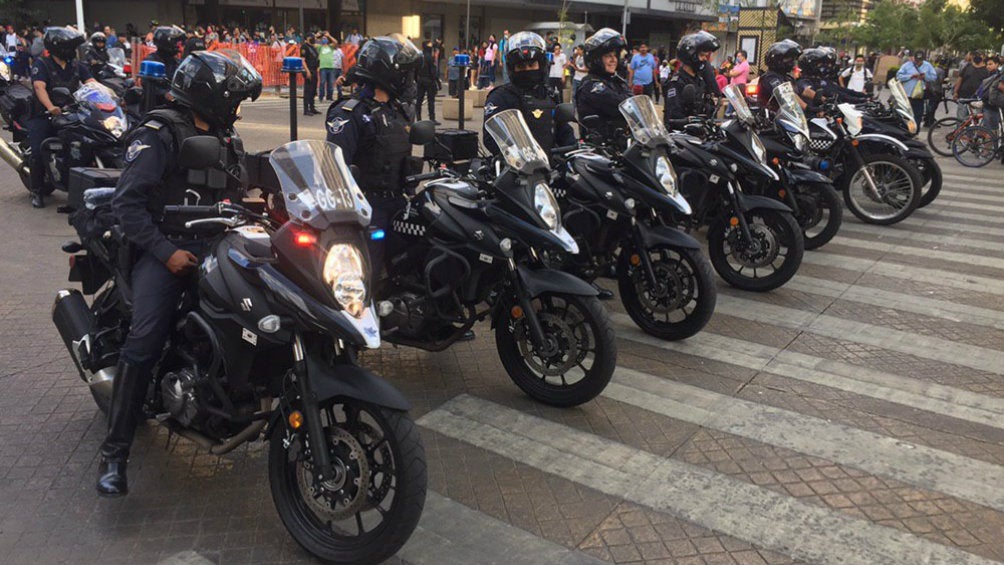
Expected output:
{"points": [[899, 96], [317, 185], [735, 96], [96, 96], [643, 119], [116, 56], [789, 110], [517, 145]]}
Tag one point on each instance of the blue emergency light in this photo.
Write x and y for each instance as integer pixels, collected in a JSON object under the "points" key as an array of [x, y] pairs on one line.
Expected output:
{"points": [[152, 70]]}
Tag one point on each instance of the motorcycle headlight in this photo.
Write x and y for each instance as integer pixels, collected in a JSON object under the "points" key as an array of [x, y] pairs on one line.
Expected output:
{"points": [[547, 206], [667, 175], [911, 124], [5, 73], [114, 126], [758, 149], [343, 270], [800, 141]]}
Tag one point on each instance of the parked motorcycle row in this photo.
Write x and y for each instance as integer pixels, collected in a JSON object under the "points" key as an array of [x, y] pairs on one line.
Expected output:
{"points": [[267, 344]]}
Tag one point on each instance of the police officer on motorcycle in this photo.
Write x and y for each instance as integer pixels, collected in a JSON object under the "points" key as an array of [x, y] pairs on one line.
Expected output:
{"points": [[59, 69], [527, 91], [371, 128], [167, 39], [780, 59], [206, 90], [817, 85], [694, 52], [96, 54], [603, 89]]}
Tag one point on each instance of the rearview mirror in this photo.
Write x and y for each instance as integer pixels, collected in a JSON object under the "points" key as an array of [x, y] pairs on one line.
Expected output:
{"points": [[564, 113], [200, 152], [689, 94], [422, 132]]}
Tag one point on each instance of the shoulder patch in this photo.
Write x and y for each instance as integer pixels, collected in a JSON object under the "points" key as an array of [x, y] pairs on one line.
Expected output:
{"points": [[135, 148], [598, 87], [154, 125], [350, 105], [490, 108], [337, 125]]}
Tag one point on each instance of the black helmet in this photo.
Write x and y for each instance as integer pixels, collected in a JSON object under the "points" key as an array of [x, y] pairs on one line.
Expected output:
{"points": [[63, 42], [524, 47], [98, 36], [782, 56], [690, 47], [167, 38], [388, 62], [599, 44], [214, 83], [814, 62]]}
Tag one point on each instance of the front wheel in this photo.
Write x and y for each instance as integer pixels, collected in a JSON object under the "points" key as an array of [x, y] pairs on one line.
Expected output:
{"points": [[367, 511], [578, 357], [975, 146], [930, 175], [683, 299], [765, 263], [894, 196], [820, 214]]}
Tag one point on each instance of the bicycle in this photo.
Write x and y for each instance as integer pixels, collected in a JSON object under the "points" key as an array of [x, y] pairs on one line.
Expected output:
{"points": [[943, 132], [975, 146]]}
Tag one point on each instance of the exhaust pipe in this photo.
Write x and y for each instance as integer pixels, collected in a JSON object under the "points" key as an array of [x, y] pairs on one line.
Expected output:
{"points": [[76, 324], [12, 156]]}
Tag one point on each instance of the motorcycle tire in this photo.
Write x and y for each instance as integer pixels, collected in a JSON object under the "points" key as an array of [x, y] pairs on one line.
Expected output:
{"points": [[930, 174], [893, 170], [549, 384], [941, 134], [775, 231], [395, 456], [819, 207], [689, 280]]}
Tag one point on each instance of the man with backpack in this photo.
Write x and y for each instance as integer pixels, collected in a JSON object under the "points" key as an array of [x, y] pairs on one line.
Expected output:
{"points": [[991, 92], [970, 78]]}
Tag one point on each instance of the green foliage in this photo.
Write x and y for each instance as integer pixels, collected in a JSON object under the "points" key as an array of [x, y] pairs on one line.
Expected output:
{"points": [[15, 12], [991, 13], [894, 24]]}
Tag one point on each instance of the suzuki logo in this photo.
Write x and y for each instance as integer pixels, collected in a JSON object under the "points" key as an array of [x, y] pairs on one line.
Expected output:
{"points": [[246, 304]]}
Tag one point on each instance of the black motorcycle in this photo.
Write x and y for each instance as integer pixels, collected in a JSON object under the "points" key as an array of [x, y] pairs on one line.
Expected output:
{"points": [[88, 134], [466, 250], [265, 345], [810, 194], [613, 206], [754, 242]]}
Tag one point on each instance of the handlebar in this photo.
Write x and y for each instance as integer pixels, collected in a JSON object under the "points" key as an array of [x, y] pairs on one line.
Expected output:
{"points": [[415, 179], [564, 149]]}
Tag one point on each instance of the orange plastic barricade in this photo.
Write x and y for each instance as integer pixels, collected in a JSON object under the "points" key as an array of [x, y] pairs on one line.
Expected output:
{"points": [[264, 58]]}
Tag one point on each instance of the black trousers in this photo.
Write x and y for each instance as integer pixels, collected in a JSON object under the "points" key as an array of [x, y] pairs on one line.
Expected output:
{"points": [[426, 91], [310, 90], [39, 129]]}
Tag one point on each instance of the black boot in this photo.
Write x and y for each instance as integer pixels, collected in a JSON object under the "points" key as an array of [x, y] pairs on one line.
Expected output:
{"points": [[604, 294], [37, 200], [127, 402]]}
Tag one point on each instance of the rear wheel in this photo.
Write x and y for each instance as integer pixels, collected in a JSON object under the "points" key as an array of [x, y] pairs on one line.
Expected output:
{"points": [[941, 134], [578, 357], [684, 297], [894, 196], [368, 510], [765, 263], [820, 214], [930, 174]]}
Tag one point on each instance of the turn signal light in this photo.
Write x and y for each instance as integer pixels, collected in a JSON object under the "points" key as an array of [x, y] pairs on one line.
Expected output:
{"points": [[733, 221], [854, 142], [305, 239], [635, 260], [781, 193], [516, 312], [295, 419], [776, 161], [840, 120]]}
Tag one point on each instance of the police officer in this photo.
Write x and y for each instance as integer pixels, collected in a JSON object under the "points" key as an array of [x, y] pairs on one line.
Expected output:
{"points": [[167, 40], [603, 88], [59, 69], [694, 51], [372, 128], [780, 59], [96, 55], [206, 92], [528, 92], [816, 86], [194, 43]]}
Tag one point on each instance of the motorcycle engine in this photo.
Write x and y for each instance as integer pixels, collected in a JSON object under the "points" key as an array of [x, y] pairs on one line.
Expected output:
{"points": [[408, 316], [179, 395]]}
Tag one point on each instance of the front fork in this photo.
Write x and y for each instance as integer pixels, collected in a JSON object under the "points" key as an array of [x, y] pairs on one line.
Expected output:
{"points": [[525, 302], [744, 227], [311, 413], [645, 260], [859, 162]]}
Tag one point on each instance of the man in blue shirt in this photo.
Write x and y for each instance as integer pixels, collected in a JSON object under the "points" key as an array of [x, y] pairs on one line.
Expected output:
{"points": [[914, 74], [642, 71]]}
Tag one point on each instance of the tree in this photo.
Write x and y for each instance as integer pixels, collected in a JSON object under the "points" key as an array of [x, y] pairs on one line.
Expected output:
{"points": [[991, 13], [891, 25], [946, 25], [17, 13]]}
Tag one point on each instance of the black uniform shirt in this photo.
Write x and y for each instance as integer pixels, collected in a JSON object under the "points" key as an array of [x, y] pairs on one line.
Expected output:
{"points": [[148, 158], [508, 97], [40, 71], [600, 95], [675, 108]]}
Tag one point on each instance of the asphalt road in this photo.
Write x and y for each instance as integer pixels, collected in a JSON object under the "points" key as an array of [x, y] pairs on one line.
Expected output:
{"points": [[853, 416]]}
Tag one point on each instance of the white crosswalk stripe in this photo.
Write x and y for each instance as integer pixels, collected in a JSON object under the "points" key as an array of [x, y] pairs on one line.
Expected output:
{"points": [[972, 259], [989, 209], [933, 212], [921, 395], [854, 230], [742, 510], [938, 277]]}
